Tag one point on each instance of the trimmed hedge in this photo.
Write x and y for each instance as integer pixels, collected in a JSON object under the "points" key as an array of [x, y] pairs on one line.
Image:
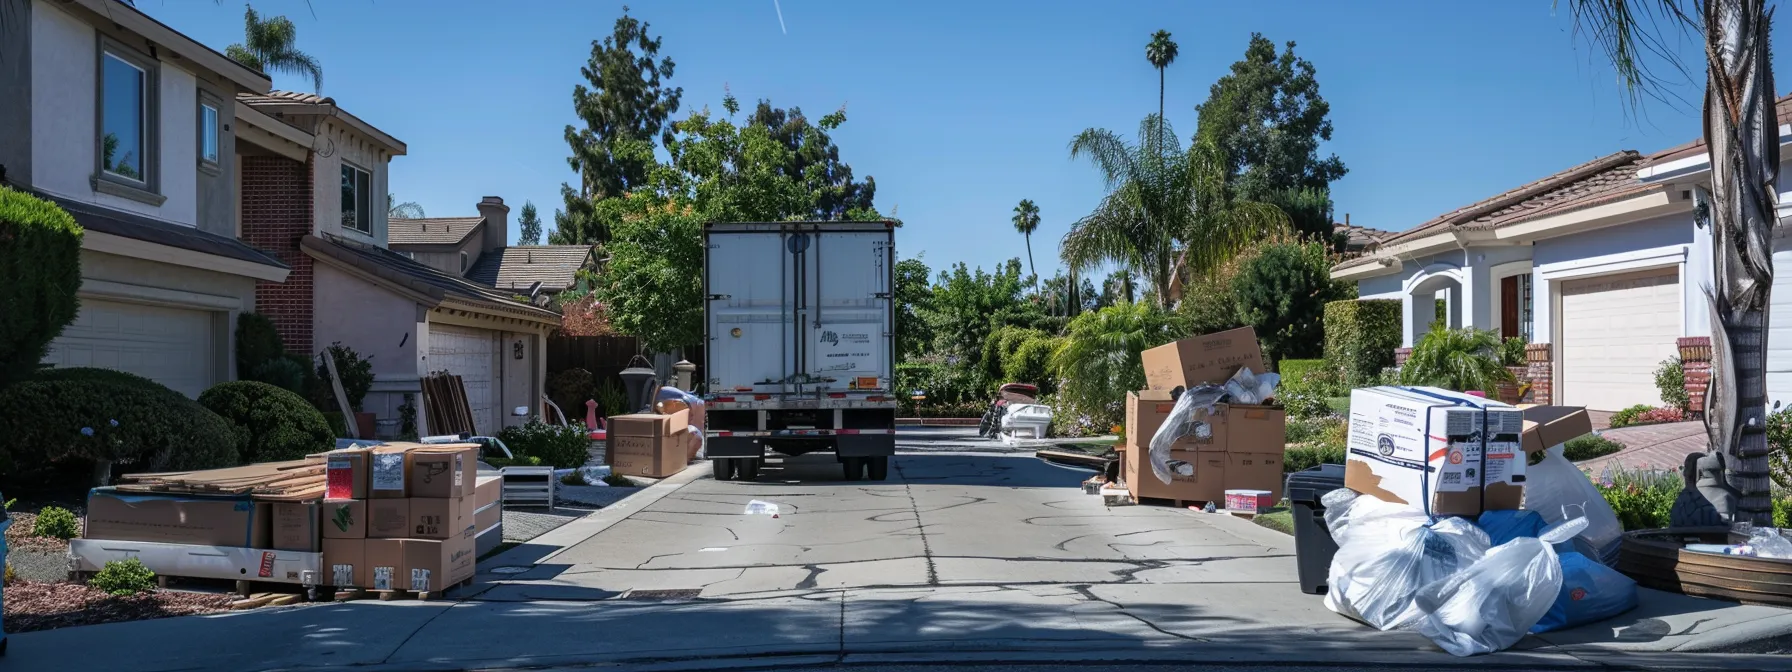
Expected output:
{"points": [[100, 414], [558, 446], [40, 271], [271, 424], [1295, 369], [1360, 338]]}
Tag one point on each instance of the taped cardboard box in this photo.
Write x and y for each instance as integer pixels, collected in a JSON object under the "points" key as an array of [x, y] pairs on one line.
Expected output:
{"points": [[1207, 484], [178, 519], [1209, 359], [388, 478], [385, 564], [345, 563], [1548, 426], [1146, 411], [434, 565], [1254, 428], [1426, 447], [295, 526], [348, 473], [442, 471], [432, 518], [388, 518], [343, 519], [648, 445]]}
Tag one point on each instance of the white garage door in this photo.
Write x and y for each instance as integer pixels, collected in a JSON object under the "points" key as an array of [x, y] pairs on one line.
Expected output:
{"points": [[1779, 327], [171, 346], [470, 354], [1616, 329]]}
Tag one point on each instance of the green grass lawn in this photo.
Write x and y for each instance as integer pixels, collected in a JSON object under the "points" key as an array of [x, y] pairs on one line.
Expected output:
{"points": [[1279, 519]]}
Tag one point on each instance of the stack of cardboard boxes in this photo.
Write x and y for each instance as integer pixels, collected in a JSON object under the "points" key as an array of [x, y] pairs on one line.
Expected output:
{"points": [[402, 516], [1245, 447], [653, 445]]}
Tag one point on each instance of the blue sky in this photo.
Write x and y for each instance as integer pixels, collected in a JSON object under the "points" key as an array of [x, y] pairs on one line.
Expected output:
{"points": [[961, 109]]}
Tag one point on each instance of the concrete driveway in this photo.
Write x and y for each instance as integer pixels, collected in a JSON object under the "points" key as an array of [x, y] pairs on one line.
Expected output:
{"points": [[958, 557]]}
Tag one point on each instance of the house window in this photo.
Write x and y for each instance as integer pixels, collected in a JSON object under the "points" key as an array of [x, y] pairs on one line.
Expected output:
{"points": [[208, 134], [1524, 306], [355, 193], [126, 129]]}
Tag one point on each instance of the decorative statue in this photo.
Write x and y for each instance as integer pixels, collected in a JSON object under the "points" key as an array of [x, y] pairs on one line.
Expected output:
{"points": [[1708, 499]]}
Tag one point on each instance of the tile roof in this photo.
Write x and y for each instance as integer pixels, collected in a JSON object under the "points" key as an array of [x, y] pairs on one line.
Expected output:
{"points": [[119, 223], [430, 230], [284, 98], [398, 269], [1587, 184], [1782, 109], [1359, 237], [518, 267]]}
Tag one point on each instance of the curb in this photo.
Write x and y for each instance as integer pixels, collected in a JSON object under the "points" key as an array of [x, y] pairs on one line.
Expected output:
{"points": [[938, 422]]}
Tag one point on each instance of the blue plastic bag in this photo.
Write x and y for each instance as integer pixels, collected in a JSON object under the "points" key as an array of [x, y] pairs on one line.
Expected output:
{"points": [[1591, 592], [1504, 526]]}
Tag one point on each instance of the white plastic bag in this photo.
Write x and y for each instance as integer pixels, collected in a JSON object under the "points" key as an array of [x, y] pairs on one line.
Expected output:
{"points": [[1188, 417], [1558, 490], [1496, 600], [1337, 509], [1389, 552], [758, 508], [1767, 543]]}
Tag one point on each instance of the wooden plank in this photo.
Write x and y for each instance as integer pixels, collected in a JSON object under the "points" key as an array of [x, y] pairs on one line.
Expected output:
{"points": [[348, 414]]}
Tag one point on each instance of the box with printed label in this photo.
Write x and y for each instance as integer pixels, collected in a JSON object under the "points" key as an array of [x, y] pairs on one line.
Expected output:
{"points": [[347, 473], [388, 518], [432, 518], [385, 564], [1445, 452], [445, 470], [432, 565], [1207, 484], [1197, 360], [345, 563], [1146, 411], [178, 519], [648, 445], [388, 479], [343, 519], [1255, 471], [295, 526]]}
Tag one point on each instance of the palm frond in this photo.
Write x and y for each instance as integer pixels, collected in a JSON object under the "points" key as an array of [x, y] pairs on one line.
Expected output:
{"points": [[1630, 33], [1108, 152]]}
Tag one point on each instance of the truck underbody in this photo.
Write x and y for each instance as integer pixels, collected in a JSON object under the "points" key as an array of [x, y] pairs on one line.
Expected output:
{"points": [[862, 439]]}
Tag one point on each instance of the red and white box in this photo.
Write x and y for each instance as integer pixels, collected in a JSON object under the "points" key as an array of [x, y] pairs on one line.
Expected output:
{"points": [[1249, 501]]}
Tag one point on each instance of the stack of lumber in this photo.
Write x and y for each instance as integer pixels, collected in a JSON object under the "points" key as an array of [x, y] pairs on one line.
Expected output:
{"points": [[445, 408], [294, 481]]}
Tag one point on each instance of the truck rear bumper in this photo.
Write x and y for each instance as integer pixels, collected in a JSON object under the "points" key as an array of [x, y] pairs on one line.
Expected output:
{"points": [[721, 446]]}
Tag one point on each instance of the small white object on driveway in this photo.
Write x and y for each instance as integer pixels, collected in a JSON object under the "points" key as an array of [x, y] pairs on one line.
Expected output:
{"points": [[758, 508]]}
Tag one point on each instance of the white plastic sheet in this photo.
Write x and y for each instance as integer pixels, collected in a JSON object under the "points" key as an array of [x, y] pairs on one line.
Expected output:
{"points": [[1492, 603], [1387, 552], [1558, 491], [758, 508]]}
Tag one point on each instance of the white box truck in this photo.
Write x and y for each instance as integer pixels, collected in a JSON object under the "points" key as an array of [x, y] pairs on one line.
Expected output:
{"points": [[800, 344]]}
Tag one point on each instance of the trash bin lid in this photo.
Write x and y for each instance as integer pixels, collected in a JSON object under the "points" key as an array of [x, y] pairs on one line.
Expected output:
{"points": [[1309, 485]]}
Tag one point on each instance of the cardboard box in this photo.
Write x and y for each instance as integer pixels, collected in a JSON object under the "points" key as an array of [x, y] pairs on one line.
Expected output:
{"points": [[1146, 411], [388, 478], [433, 565], [343, 518], [345, 563], [1249, 500], [648, 445], [178, 519], [487, 516], [442, 471], [1426, 447], [1255, 471], [432, 518], [1254, 429], [348, 473], [1549, 426], [295, 526], [388, 518], [1206, 485], [1210, 359], [489, 490], [385, 564]]}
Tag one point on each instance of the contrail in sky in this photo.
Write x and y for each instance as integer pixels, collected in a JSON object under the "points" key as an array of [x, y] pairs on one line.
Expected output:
{"points": [[780, 11]]}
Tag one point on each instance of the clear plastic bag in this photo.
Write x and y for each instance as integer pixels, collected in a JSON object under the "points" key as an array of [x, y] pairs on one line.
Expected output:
{"points": [[758, 508], [1187, 418], [1337, 511], [1591, 592], [1558, 490], [1492, 603], [1387, 553], [1768, 543]]}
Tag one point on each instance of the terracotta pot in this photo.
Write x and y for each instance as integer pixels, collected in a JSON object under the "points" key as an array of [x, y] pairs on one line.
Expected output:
{"points": [[364, 425]]}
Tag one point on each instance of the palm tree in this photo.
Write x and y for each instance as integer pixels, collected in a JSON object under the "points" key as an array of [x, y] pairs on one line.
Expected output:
{"points": [[1026, 220], [1741, 139], [405, 210], [1120, 286], [1158, 199], [269, 47], [1161, 52]]}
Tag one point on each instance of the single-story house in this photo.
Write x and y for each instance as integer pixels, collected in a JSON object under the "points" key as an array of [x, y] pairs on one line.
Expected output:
{"points": [[1600, 267]]}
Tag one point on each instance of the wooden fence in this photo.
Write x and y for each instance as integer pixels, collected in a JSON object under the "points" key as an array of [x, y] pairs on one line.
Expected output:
{"points": [[603, 356]]}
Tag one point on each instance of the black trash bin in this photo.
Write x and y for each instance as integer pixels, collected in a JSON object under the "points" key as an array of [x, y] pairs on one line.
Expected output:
{"points": [[1313, 544]]}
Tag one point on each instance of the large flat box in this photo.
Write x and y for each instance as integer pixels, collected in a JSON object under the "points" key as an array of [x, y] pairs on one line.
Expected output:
{"points": [[1146, 411], [1255, 471], [444, 470], [648, 445], [1207, 484], [348, 473], [1209, 359], [1254, 429], [385, 564], [345, 563], [1444, 452], [433, 518], [388, 518], [1549, 426], [295, 526], [178, 519], [343, 518], [490, 489], [487, 516], [432, 565], [388, 479]]}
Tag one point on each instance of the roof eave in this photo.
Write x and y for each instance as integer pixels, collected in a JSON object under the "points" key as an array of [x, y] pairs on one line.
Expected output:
{"points": [[1695, 165], [132, 19]]}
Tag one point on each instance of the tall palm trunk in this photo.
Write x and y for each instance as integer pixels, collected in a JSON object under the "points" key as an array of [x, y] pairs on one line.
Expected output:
{"points": [[1030, 266], [1742, 135], [1160, 101]]}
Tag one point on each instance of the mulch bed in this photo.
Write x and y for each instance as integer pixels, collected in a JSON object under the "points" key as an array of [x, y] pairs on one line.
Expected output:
{"points": [[31, 605], [18, 537]]}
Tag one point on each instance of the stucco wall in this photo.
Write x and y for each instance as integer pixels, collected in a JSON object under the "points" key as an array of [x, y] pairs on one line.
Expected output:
{"points": [[216, 193], [1668, 239], [15, 80], [447, 260], [378, 324], [336, 142]]}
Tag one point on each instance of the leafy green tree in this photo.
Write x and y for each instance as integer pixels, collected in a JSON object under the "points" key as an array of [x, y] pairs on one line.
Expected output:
{"points": [[1160, 52], [1099, 358], [1026, 221], [529, 226], [1281, 293], [814, 160], [402, 210], [966, 305], [269, 45], [914, 296], [40, 273], [1265, 120], [1120, 287], [652, 288]]}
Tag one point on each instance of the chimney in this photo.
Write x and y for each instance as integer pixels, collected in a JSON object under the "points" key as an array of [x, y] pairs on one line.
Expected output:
{"points": [[497, 222], [1347, 219]]}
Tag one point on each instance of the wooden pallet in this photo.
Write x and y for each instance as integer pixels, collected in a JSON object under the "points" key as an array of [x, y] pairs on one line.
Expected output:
{"points": [[352, 594], [1196, 504], [445, 405]]}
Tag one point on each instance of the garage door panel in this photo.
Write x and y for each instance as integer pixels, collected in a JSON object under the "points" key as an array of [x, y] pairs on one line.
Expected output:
{"points": [[1615, 331], [1779, 327], [469, 353], [171, 346]]}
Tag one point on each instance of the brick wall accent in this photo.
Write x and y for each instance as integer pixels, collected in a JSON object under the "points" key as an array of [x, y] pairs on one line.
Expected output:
{"points": [[1400, 356], [1695, 360], [276, 215], [1539, 372]]}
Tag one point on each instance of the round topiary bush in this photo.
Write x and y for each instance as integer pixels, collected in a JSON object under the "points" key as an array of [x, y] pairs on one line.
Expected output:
{"points": [[40, 271], [104, 415], [271, 424]]}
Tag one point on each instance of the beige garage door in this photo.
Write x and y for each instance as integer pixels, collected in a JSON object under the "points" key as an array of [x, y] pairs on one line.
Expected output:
{"points": [[171, 346], [470, 354], [1615, 330]]}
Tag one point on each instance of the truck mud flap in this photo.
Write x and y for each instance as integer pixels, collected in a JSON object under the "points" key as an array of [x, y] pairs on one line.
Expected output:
{"points": [[733, 446], [865, 445]]}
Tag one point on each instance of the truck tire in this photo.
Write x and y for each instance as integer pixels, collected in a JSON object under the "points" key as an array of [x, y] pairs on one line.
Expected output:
{"points": [[724, 469], [749, 470], [854, 466], [877, 468]]}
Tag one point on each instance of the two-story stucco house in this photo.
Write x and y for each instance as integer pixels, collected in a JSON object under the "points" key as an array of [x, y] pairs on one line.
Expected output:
{"points": [[314, 194], [1601, 267], [130, 126]]}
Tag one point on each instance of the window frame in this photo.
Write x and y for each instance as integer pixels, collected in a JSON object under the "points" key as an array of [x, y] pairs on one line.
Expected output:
{"points": [[147, 189], [362, 198], [216, 133]]}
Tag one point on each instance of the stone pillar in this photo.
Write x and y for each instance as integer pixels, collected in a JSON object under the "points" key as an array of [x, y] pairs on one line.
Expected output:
{"points": [[1695, 360], [1540, 373]]}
